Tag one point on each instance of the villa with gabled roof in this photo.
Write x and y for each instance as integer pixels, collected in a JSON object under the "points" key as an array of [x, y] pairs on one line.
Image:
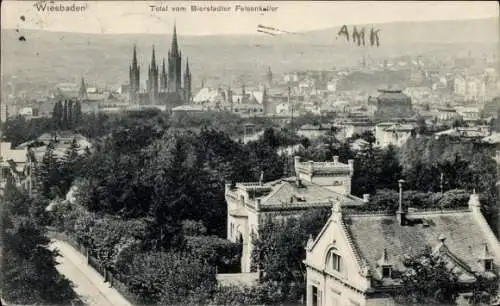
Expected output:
{"points": [[358, 258], [316, 185]]}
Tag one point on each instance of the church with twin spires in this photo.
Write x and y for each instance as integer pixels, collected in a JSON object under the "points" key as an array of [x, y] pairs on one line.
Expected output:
{"points": [[162, 87]]}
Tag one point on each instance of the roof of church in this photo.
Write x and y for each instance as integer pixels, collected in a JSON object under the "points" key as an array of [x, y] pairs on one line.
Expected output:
{"points": [[463, 237]]}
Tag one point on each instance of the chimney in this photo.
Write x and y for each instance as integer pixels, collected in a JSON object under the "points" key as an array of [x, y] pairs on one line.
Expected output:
{"points": [[401, 213], [350, 162], [261, 179], [336, 210], [257, 204], [474, 203], [366, 197], [296, 160], [335, 159]]}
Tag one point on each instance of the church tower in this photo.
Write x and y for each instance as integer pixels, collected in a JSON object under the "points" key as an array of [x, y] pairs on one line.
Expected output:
{"points": [[187, 83], [134, 79], [269, 77], [153, 80], [174, 66], [82, 94], [163, 77]]}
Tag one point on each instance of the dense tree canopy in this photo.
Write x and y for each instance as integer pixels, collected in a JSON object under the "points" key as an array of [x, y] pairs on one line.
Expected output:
{"points": [[28, 268]]}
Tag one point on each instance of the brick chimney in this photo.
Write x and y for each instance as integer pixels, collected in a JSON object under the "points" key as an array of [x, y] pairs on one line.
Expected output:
{"points": [[366, 197], [401, 213], [336, 159], [350, 162]]}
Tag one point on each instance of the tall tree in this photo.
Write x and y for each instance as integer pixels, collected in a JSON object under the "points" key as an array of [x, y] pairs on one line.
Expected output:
{"points": [[77, 113], [64, 121], [49, 174], [57, 115], [71, 119]]}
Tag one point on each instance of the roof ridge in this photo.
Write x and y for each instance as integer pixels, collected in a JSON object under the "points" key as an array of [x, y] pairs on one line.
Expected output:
{"points": [[357, 253], [455, 258], [272, 193]]}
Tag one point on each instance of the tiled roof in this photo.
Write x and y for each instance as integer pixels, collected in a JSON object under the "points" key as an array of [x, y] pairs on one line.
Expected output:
{"points": [[284, 190], [373, 233]]}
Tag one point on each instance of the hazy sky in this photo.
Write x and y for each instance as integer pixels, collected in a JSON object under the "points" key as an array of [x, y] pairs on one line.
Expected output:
{"points": [[137, 16]]}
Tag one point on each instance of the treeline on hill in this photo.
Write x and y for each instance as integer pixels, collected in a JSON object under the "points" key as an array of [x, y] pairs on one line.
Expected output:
{"points": [[93, 125], [27, 264]]}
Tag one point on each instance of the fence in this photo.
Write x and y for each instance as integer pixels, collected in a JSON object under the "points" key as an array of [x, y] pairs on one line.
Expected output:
{"points": [[115, 280]]}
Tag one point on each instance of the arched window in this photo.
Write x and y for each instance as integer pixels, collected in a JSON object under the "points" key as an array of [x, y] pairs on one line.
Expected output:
{"points": [[334, 260]]}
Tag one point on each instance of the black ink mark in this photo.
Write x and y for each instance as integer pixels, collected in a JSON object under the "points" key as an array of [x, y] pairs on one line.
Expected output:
{"points": [[22, 18], [17, 30], [265, 32], [273, 30], [358, 37], [22, 38], [374, 37], [344, 31]]}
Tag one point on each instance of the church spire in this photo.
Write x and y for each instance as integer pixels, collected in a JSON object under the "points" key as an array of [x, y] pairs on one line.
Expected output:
{"points": [[134, 57], [187, 67], [153, 60], [174, 48], [83, 90], [187, 83]]}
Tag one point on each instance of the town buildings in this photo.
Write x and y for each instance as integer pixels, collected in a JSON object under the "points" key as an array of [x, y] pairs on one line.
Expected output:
{"points": [[316, 184], [358, 258]]}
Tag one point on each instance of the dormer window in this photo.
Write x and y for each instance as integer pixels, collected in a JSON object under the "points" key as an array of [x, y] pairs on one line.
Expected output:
{"points": [[486, 259], [385, 265], [386, 271], [488, 265]]}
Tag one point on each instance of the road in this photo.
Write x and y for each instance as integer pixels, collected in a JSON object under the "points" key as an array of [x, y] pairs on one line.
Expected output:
{"points": [[88, 283]]}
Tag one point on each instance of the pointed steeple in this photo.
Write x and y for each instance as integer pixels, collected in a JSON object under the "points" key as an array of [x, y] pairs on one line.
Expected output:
{"points": [[187, 67], [153, 59], [83, 89], [174, 48], [134, 57]]}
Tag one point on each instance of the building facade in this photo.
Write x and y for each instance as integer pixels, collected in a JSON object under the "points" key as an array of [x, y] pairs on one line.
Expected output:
{"points": [[392, 104], [389, 133], [357, 259], [315, 185]]}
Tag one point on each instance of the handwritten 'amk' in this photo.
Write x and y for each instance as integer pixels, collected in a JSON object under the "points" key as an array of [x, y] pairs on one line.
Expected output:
{"points": [[358, 37]]}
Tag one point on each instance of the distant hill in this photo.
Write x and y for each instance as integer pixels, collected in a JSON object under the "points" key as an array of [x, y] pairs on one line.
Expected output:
{"points": [[48, 57]]}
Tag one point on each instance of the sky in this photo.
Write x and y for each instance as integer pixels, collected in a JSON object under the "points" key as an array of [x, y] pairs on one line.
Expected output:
{"points": [[114, 17]]}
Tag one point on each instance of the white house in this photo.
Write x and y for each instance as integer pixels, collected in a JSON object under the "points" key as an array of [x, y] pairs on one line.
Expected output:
{"points": [[317, 184], [357, 259]]}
